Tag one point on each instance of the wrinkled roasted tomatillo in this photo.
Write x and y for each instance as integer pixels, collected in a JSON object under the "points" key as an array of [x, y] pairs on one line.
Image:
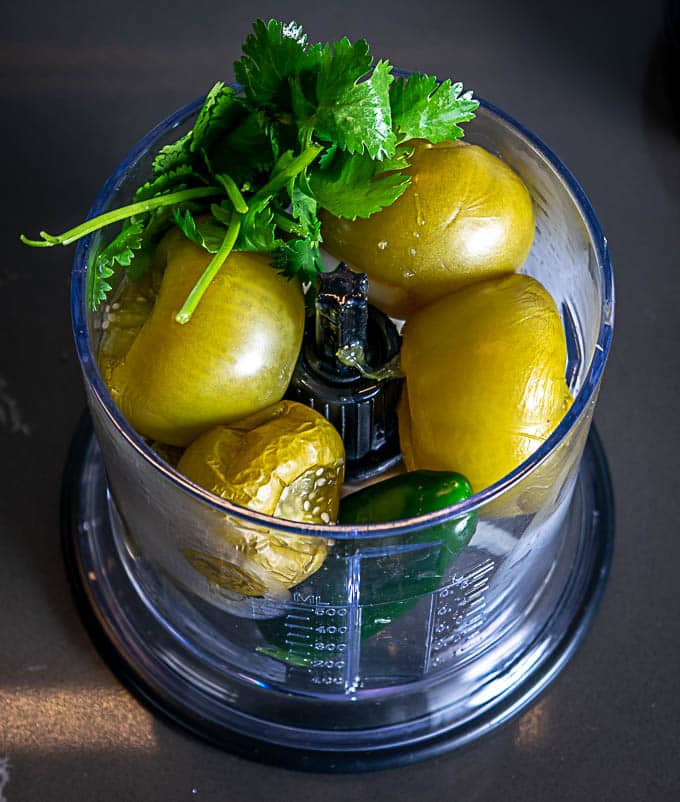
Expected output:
{"points": [[287, 461], [466, 216]]}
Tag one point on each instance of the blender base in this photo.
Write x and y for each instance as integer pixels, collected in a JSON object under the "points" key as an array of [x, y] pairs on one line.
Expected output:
{"points": [[127, 642]]}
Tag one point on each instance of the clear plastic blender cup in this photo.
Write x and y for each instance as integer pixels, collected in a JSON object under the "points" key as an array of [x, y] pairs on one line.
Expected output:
{"points": [[428, 630]]}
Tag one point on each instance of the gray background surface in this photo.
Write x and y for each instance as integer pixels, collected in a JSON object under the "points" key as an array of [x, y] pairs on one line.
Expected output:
{"points": [[79, 83]]}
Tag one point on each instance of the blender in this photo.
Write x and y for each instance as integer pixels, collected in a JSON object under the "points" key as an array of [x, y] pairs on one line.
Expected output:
{"points": [[415, 636]]}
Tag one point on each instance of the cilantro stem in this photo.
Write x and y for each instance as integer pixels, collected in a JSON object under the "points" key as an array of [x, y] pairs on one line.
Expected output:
{"points": [[308, 135], [189, 306], [279, 181], [114, 216], [234, 193], [287, 223]]}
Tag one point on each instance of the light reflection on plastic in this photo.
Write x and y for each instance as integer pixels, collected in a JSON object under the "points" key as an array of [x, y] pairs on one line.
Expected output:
{"points": [[253, 681]]}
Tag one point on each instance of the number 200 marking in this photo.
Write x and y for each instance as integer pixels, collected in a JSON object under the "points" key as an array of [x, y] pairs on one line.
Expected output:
{"points": [[328, 663]]}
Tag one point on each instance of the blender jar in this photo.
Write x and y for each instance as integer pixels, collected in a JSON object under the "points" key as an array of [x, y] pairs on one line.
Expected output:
{"points": [[412, 636]]}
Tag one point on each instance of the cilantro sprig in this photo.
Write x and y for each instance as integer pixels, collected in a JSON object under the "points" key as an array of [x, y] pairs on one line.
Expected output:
{"points": [[312, 127]]}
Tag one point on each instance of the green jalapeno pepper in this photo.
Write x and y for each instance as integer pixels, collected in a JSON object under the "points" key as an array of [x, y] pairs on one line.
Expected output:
{"points": [[407, 495], [395, 572]]}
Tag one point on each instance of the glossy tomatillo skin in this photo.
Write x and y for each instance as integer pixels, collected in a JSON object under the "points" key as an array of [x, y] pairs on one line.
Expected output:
{"points": [[233, 358], [466, 216], [485, 379]]}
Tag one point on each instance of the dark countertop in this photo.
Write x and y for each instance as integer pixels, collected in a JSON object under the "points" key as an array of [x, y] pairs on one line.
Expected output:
{"points": [[80, 83]]}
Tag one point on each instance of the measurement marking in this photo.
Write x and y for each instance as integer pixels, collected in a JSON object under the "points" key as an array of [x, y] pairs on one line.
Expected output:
{"points": [[469, 626], [471, 580], [454, 623], [299, 635], [299, 617], [481, 571], [306, 639], [288, 625], [304, 655]]}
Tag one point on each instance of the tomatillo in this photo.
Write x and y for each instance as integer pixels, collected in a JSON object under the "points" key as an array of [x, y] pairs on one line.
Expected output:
{"points": [[286, 461], [485, 380], [466, 216], [234, 357]]}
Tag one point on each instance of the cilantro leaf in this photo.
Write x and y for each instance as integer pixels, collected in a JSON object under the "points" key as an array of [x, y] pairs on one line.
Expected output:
{"points": [[315, 126], [212, 233], [156, 223], [400, 160], [172, 156], [187, 225], [120, 251], [243, 151], [342, 65], [351, 187], [271, 54], [304, 207], [222, 212], [258, 231], [220, 109], [207, 232], [425, 109], [299, 258], [303, 84], [353, 114], [171, 181]]}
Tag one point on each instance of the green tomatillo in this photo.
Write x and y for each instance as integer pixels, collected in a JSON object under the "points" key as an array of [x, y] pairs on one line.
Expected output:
{"points": [[235, 356], [465, 216]]}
